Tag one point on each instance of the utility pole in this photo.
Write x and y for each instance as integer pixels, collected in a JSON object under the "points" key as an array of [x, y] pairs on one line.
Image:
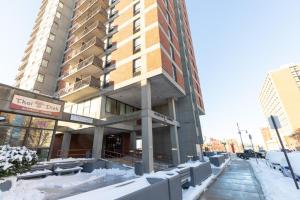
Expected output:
{"points": [[240, 136], [250, 137]]}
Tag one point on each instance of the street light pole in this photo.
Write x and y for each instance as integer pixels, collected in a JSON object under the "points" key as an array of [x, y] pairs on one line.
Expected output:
{"points": [[240, 136]]}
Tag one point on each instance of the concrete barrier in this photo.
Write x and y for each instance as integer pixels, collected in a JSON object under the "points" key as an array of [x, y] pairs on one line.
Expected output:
{"points": [[200, 173], [217, 160], [158, 190], [91, 166]]}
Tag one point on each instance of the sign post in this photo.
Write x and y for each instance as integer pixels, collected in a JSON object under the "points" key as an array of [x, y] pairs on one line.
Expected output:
{"points": [[274, 123]]}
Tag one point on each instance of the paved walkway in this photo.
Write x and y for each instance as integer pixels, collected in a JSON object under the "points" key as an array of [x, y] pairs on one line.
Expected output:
{"points": [[237, 182]]}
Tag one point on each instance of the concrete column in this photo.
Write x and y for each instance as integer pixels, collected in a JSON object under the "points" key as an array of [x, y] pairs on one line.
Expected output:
{"points": [[174, 134], [65, 145], [133, 140], [98, 142], [147, 135]]}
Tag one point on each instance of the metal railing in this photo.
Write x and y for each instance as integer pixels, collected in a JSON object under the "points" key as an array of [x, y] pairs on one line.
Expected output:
{"points": [[87, 18], [91, 60], [88, 81], [95, 41]]}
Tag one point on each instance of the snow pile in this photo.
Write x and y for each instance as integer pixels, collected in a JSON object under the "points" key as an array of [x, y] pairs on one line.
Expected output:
{"points": [[294, 160], [274, 157], [274, 184], [15, 160], [37, 189]]}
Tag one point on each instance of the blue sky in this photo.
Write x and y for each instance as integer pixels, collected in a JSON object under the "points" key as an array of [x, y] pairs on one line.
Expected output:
{"points": [[236, 43]]}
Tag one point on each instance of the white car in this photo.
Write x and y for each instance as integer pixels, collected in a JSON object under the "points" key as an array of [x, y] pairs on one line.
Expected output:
{"points": [[274, 159]]}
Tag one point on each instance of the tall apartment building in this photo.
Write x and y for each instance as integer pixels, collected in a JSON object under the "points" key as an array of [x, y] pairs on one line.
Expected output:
{"points": [[39, 69], [131, 64], [280, 96]]}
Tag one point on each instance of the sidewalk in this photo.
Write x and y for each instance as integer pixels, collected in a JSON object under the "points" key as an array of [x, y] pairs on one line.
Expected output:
{"points": [[237, 182]]}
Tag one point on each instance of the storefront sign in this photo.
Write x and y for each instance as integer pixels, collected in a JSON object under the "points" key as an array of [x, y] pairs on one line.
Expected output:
{"points": [[34, 105], [82, 119]]}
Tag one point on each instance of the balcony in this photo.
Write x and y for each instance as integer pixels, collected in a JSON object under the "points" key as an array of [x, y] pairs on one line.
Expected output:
{"points": [[92, 65], [20, 74], [93, 47], [96, 15], [84, 88], [91, 6], [96, 29], [84, 4]]}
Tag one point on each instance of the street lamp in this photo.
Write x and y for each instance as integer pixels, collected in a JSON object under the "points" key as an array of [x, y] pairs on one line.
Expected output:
{"points": [[240, 132]]}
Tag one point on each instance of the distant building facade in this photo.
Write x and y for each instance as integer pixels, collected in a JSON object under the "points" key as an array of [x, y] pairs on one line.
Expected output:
{"points": [[280, 96]]}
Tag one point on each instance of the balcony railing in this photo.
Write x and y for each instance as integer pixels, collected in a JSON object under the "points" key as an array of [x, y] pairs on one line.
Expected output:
{"points": [[82, 2], [93, 60], [88, 81], [95, 41], [95, 25], [82, 12], [76, 26]]}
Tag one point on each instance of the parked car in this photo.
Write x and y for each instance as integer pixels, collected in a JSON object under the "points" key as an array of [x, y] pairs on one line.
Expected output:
{"points": [[249, 153], [295, 162], [274, 159]]}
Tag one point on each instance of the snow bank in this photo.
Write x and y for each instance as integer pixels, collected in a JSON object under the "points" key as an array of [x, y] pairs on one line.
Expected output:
{"points": [[275, 186], [195, 192], [33, 189], [294, 158], [275, 157]]}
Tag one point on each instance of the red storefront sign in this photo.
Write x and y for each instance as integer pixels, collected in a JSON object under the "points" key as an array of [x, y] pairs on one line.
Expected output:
{"points": [[34, 105]]}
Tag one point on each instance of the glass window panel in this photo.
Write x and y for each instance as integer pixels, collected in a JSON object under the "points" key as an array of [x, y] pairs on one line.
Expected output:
{"points": [[114, 106], [129, 109], [122, 109], [33, 138], [108, 105], [42, 123], [45, 139], [12, 136], [14, 120]]}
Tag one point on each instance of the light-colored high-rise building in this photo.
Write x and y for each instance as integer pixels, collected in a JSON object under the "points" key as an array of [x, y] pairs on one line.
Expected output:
{"points": [[39, 67], [280, 96], [130, 63], [270, 139]]}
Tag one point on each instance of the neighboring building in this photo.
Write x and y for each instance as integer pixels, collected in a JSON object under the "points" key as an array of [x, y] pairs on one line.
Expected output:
{"points": [[270, 139], [131, 64], [233, 146], [280, 96], [215, 145], [39, 67]]}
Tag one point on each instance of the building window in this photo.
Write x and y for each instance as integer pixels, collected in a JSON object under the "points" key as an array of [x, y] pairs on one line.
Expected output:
{"points": [[172, 52], [167, 4], [174, 72], [40, 78], [106, 80], [109, 42], [48, 49], [110, 27], [58, 15], [137, 25], [52, 36], [136, 8], [137, 66], [45, 63], [136, 45], [60, 4], [113, 12], [108, 60], [168, 17], [170, 34]]}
